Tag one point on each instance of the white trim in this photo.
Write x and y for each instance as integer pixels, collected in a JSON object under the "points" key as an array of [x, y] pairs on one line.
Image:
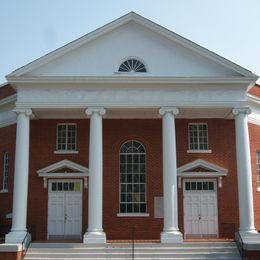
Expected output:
{"points": [[133, 214], [51, 172], [63, 164], [204, 164], [4, 191], [8, 100], [201, 174], [7, 123], [144, 22], [64, 175], [130, 79], [253, 98], [258, 188], [11, 247], [66, 152], [199, 151]]}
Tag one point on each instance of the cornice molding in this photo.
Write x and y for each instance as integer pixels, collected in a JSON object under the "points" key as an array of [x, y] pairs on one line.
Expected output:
{"points": [[8, 100], [253, 98], [129, 79]]}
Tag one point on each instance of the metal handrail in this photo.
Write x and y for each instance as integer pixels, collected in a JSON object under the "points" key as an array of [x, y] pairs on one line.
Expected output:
{"points": [[133, 242], [240, 246], [25, 246]]}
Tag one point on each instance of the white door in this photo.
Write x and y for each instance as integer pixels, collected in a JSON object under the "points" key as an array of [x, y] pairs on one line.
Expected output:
{"points": [[200, 209], [64, 209]]}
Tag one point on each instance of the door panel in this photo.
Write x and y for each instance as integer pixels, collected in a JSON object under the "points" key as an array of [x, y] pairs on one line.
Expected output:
{"points": [[56, 214]]}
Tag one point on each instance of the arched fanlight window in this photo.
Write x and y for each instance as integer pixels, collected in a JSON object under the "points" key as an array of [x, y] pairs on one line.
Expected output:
{"points": [[132, 65], [132, 178]]}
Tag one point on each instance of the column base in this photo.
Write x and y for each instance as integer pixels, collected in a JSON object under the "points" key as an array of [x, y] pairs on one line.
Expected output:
{"points": [[17, 237], [94, 238], [171, 237]]}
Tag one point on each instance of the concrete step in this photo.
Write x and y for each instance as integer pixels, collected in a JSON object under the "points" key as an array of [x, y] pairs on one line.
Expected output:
{"points": [[49, 251]]}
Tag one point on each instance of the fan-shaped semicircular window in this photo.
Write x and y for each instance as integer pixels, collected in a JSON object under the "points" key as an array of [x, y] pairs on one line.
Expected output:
{"points": [[132, 65]]}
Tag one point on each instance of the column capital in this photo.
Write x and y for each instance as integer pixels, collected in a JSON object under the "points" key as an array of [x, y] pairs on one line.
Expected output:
{"points": [[241, 110], [26, 111], [172, 110], [99, 110]]}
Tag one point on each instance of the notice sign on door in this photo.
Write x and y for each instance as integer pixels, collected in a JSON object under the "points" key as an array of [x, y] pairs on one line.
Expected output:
{"points": [[158, 207]]}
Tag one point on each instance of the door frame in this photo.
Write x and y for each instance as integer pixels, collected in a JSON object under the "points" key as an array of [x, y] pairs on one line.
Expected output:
{"points": [[50, 181], [216, 192]]}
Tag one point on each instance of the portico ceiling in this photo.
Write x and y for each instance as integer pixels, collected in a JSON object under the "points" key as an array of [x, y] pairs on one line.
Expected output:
{"points": [[132, 113]]}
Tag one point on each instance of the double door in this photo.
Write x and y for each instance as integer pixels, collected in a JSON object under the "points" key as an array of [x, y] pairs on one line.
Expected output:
{"points": [[200, 209], [65, 209]]}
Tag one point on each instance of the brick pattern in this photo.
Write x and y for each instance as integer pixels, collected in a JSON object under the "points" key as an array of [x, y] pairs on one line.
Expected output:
{"points": [[116, 132], [254, 135], [255, 91], [6, 91], [7, 137]]}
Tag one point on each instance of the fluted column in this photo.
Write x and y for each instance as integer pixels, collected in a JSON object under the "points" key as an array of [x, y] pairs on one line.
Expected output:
{"points": [[171, 233], [21, 173], [95, 232], [244, 172]]}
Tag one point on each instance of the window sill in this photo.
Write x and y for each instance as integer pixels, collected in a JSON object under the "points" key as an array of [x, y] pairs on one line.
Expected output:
{"points": [[199, 151], [65, 152], [3, 191], [133, 214]]}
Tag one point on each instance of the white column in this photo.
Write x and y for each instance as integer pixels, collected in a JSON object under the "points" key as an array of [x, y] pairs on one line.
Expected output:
{"points": [[244, 173], [21, 172], [171, 233], [95, 232]]}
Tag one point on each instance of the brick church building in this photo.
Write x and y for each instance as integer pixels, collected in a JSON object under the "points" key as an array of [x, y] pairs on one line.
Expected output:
{"points": [[130, 126]]}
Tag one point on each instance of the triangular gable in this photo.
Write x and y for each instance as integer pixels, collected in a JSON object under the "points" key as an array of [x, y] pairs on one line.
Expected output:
{"points": [[59, 167], [63, 169], [209, 169], [132, 17]]}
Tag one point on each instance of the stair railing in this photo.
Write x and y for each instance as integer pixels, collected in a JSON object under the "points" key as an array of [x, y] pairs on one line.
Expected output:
{"points": [[133, 242], [25, 245]]}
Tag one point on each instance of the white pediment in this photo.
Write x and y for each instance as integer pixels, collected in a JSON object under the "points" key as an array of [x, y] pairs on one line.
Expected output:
{"points": [[201, 169], [100, 53], [63, 169], [207, 169]]}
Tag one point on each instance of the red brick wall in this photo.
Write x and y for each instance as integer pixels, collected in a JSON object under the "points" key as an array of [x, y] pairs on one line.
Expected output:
{"points": [[255, 90], [116, 132], [7, 137], [6, 91], [42, 147], [254, 135]]}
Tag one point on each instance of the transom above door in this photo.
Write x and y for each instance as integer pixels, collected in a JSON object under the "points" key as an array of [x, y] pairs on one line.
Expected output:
{"points": [[200, 208], [65, 209]]}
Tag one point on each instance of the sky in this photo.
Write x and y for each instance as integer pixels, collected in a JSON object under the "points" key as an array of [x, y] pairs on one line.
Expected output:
{"points": [[32, 28]]}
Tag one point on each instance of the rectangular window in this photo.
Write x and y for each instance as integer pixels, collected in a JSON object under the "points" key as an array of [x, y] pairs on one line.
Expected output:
{"points": [[258, 167], [66, 137], [198, 136], [5, 170]]}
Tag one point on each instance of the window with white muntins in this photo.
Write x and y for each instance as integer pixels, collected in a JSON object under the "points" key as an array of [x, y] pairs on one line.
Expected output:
{"points": [[132, 65], [198, 136], [258, 168], [132, 178], [5, 171], [66, 137]]}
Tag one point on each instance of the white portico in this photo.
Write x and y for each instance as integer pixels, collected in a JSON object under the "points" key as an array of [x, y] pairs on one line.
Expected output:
{"points": [[179, 79]]}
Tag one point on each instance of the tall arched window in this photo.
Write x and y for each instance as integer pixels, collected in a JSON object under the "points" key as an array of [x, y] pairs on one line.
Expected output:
{"points": [[132, 178]]}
